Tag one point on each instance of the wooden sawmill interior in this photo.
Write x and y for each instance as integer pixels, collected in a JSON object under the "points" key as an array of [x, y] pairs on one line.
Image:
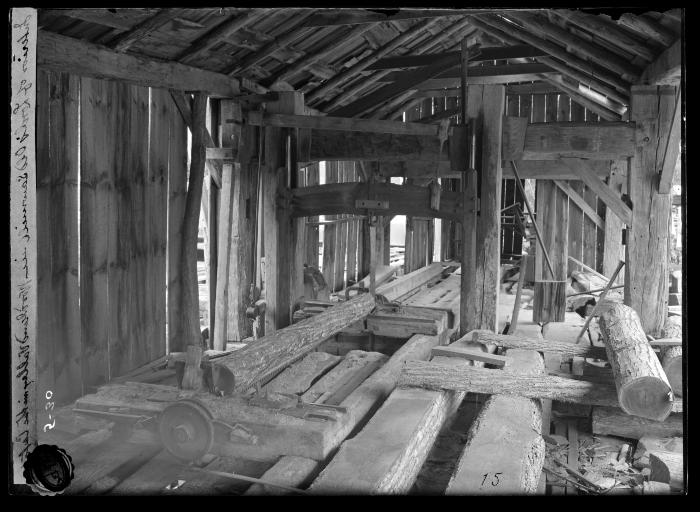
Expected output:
{"points": [[353, 251]]}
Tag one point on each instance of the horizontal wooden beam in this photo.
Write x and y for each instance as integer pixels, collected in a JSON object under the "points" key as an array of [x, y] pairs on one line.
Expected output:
{"points": [[581, 203], [123, 41], [606, 194], [342, 124], [340, 198], [543, 141], [482, 71], [595, 141], [66, 54], [451, 83], [527, 169], [484, 54]]}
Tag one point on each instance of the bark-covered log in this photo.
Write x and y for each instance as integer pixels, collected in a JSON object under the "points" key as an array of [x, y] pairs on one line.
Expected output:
{"points": [[672, 362], [641, 383], [667, 467], [257, 361], [504, 441], [541, 345], [614, 422], [505, 382]]}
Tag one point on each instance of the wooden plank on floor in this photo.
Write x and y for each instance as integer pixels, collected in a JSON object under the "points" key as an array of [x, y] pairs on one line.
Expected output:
{"points": [[299, 377], [386, 456]]}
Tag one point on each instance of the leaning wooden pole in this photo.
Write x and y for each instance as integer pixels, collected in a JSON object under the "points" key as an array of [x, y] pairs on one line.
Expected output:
{"points": [[260, 360], [641, 383], [188, 266]]}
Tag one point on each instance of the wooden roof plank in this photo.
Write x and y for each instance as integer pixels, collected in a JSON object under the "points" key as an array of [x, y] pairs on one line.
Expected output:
{"points": [[563, 67], [124, 40], [666, 69], [406, 81]]}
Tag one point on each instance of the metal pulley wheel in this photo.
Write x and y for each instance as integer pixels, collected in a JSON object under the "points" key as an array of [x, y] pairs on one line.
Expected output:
{"points": [[186, 429]]}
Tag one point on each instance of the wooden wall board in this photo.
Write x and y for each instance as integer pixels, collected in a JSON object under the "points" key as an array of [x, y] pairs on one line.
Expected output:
{"points": [[58, 328]]}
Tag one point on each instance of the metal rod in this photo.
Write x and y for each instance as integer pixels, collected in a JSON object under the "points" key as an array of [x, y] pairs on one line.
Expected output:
{"points": [[236, 476], [600, 300], [532, 217]]}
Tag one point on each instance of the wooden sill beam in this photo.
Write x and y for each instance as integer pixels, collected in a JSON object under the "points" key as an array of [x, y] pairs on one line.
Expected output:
{"points": [[606, 194], [66, 54], [484, 54], [666, 69]]}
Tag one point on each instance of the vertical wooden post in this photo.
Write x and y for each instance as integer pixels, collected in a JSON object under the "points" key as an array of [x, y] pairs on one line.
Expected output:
{"points": [[469, 218], [212, 248], [485, 110], [230, 198], [177, 195], [190, 292], [646, 286], [613, 250], [281, 256], [242, 252], [312, 178], [553, 216]]}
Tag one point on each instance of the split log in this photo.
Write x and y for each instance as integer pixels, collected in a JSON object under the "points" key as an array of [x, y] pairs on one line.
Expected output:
{"points": [[299, 376], [478, 380], [667, 467], [614, 422], [262, 359], [504, 453], [541, 345], [386, 456], [641, 383]]}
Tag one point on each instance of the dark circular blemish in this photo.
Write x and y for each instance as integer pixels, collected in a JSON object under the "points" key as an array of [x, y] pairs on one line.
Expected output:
{"points": [[49, 468]]}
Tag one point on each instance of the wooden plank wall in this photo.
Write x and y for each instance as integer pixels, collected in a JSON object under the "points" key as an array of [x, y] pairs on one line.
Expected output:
{"points": [[107, 153], [420, 233], [585, 238], [58, 329], [342, 245]]}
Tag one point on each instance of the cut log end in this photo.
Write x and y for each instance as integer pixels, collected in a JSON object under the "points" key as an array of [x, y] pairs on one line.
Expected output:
{"points": [[647, 397]]}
